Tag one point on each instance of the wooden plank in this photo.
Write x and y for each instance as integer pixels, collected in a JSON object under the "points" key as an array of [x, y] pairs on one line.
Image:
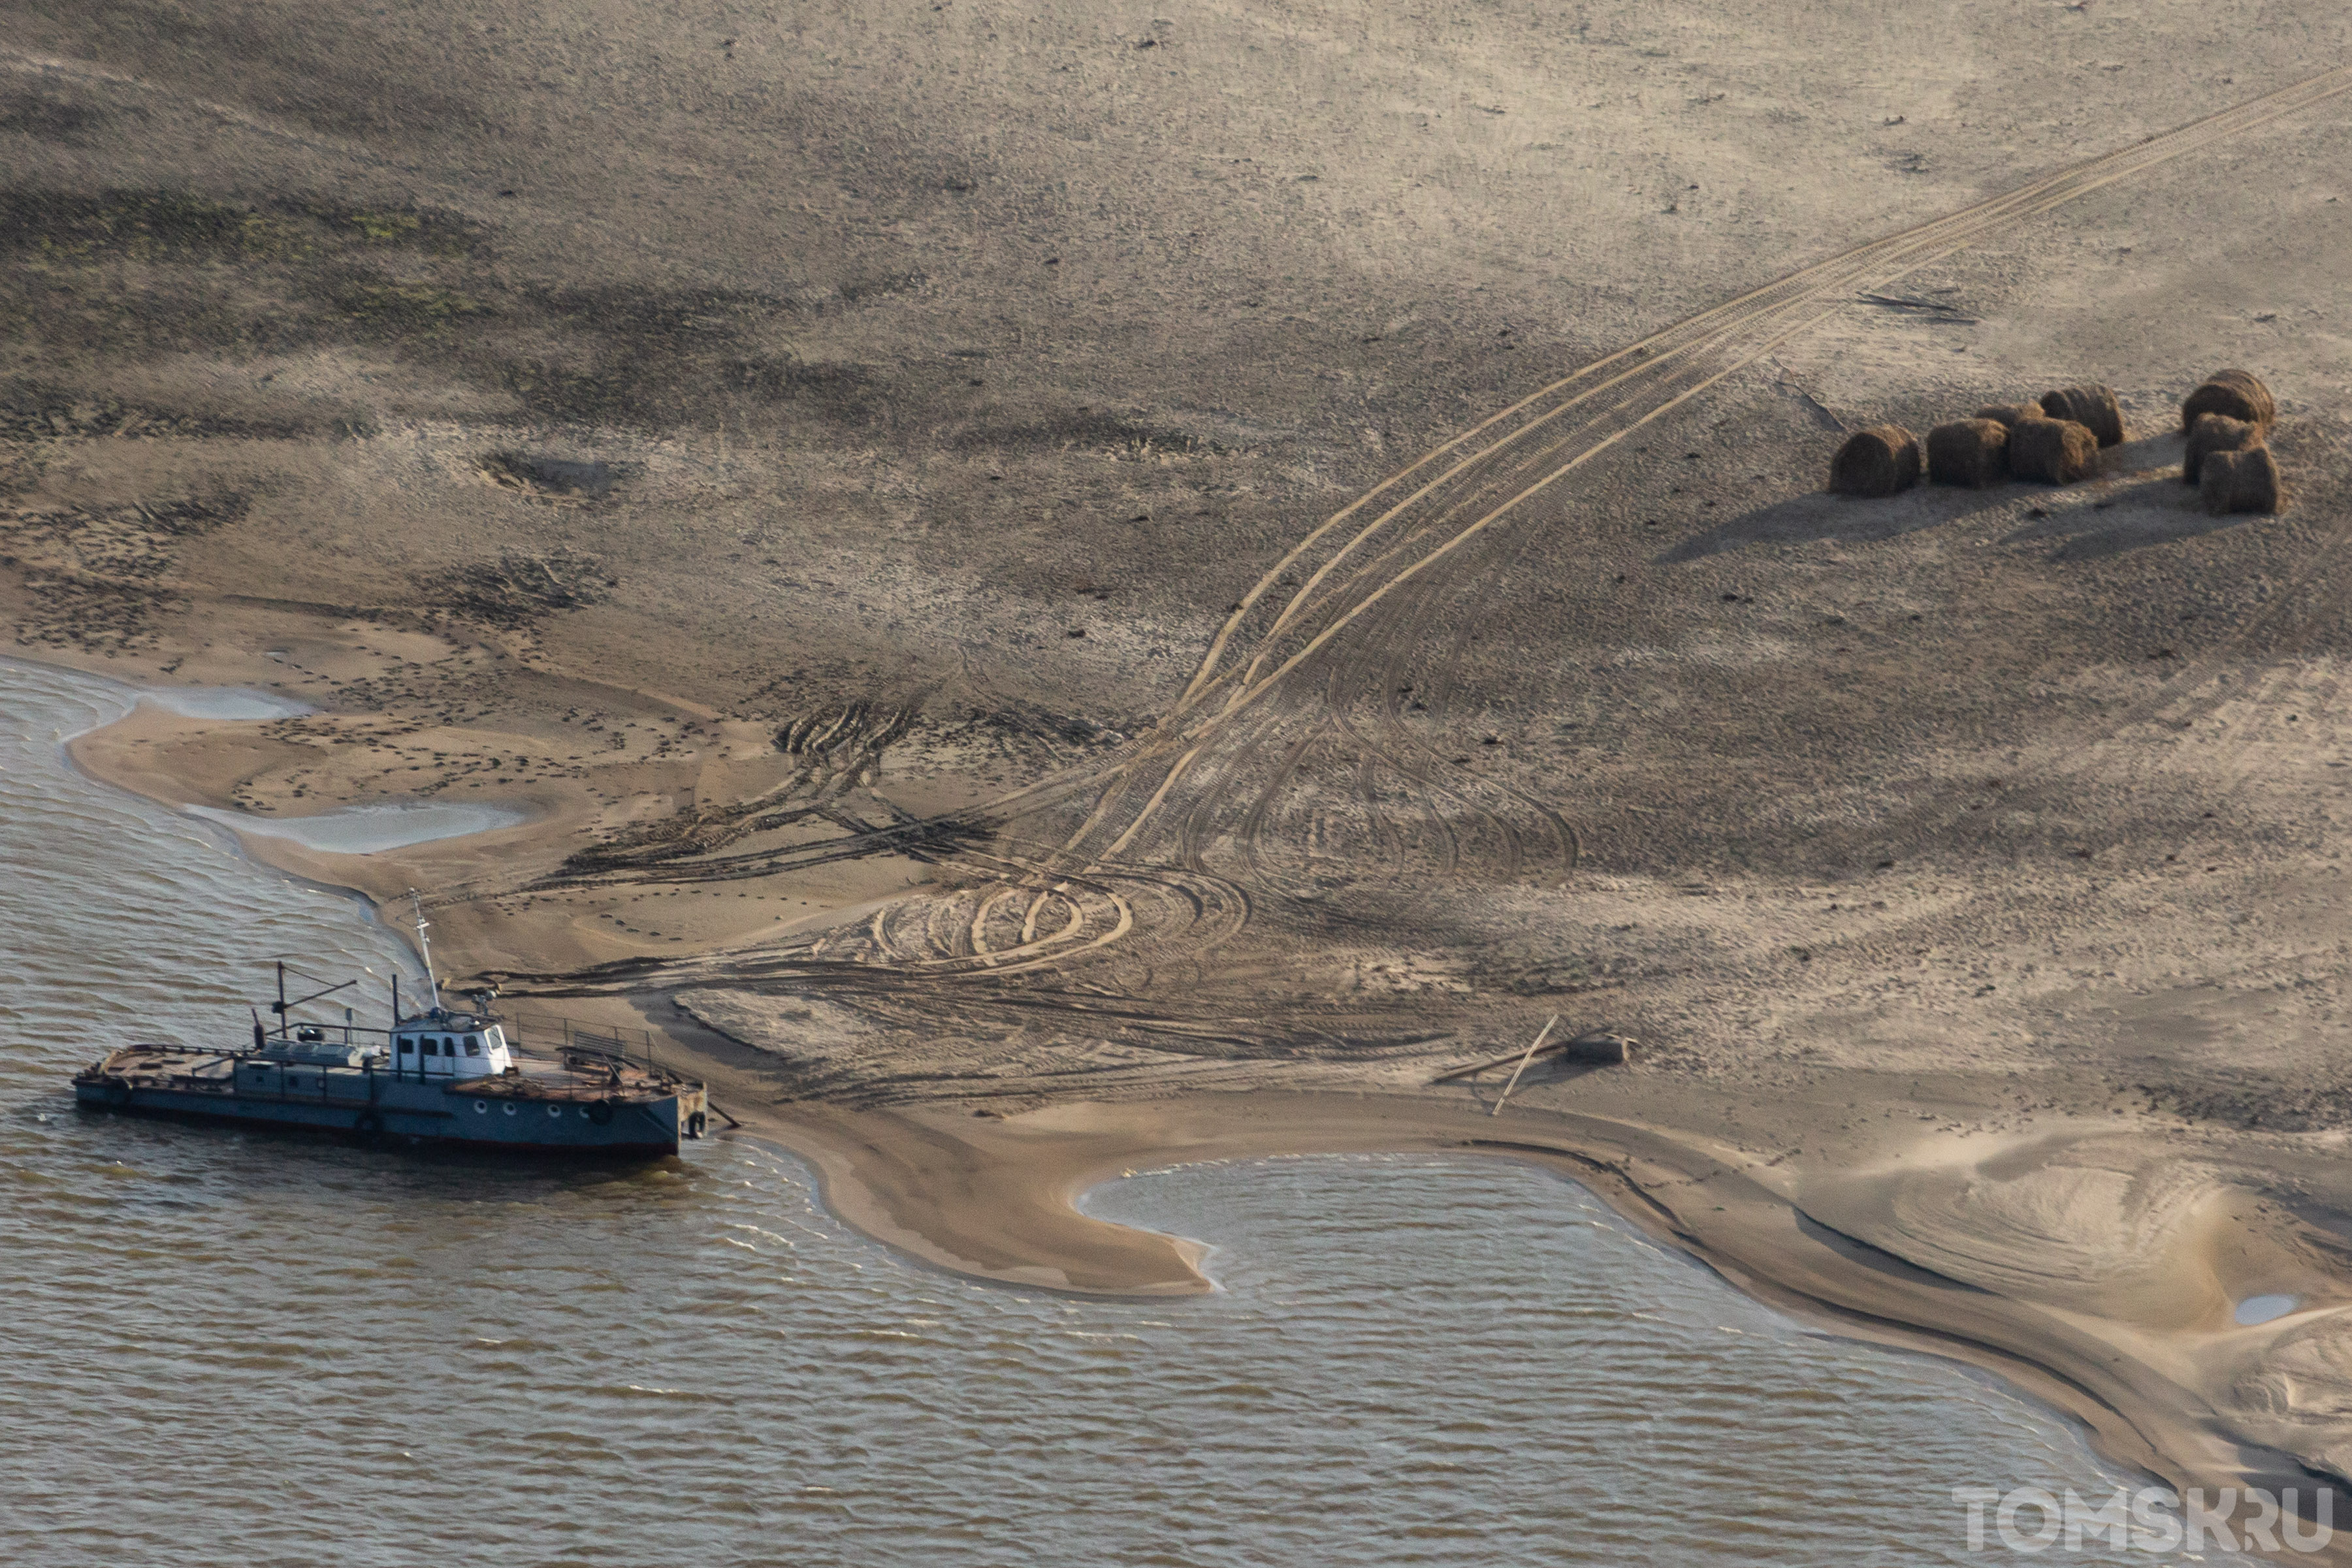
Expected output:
{"points": [[1540, 1036], [1476, 1068]]}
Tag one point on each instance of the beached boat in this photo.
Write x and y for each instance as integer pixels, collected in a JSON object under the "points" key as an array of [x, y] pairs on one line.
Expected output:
{"points": [[439, 1075]]}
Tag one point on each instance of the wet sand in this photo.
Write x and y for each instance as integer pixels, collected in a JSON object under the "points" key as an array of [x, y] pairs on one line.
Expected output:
{"points": [[944, 714]]}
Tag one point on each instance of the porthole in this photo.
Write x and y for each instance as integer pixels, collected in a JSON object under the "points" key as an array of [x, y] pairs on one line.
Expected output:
{"points": [[511, 1108], [584, 1109], [481, 1107], [555, 1109]]}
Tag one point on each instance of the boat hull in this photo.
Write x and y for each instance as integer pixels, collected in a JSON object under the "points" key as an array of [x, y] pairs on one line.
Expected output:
{"points": [[417, 1113]]}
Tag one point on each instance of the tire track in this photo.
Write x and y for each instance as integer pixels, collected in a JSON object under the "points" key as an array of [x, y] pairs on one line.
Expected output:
{"points": [[1243, 728]]}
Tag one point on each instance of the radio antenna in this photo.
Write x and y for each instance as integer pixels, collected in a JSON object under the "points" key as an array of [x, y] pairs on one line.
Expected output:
{"points": [[424, 946]]}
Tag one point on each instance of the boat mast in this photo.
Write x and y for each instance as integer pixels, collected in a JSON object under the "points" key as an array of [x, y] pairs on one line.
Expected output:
{"points": [[425, 947]]}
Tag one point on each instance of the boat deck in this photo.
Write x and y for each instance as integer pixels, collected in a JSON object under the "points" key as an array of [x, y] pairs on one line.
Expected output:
{"points": [[579, 1075], [580, 1100]]}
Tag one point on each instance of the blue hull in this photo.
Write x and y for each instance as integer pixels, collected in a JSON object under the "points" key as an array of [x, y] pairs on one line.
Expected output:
{"points": [[418, 1113]]}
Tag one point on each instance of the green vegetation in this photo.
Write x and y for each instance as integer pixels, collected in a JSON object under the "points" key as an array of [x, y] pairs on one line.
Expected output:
{"points": [[403, 308], [385, 225], [152, 225], [165, 226]]}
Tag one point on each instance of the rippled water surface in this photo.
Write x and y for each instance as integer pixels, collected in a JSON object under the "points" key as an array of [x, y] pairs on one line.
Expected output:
{"points": [[223, 1348]]}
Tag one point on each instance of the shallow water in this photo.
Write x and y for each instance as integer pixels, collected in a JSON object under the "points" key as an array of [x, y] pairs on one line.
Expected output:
{"points": [[226, 1348], [368, 830], [223, 702]]}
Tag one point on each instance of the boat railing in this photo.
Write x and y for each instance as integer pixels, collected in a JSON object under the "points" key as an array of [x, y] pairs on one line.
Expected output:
{"points": [[595, 1042], [548, 1033]]}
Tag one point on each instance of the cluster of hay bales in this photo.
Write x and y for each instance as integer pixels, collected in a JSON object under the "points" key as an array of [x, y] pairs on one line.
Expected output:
{"points": [[2056, 441], [2227, 421]]}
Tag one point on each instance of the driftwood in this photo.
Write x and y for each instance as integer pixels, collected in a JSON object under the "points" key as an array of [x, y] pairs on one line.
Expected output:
{"points": [[1533, 1046], [1595, 1048]]}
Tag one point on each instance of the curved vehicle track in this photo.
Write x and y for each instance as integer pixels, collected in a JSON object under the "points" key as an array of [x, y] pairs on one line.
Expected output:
{"points": [[1295, 693]]}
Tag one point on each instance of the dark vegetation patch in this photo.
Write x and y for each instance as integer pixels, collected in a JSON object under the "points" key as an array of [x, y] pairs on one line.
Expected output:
{"points": [[97, 577], [139, 273], [1024, 719], [1567, 975], [656, 359], [846, 393], [384, 308], [645, 314], [617, 391], [46, 117], [31, 412], [2256, 1102], [882, 286], [339, 70], [168, 225], [1079, 427], [656, 385], [519, 586]]}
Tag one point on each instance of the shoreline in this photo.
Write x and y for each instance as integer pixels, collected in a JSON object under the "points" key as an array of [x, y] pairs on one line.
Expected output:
{"points": [[1955, 850], [993, 1196], [1766, 1248], [1031, 642]]}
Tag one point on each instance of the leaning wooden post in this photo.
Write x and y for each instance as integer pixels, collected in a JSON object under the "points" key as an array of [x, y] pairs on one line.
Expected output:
{"points": [[1542, 1035]]}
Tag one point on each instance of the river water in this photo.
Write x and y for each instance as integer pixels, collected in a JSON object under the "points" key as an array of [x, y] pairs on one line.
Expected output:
{"points": [[231, 1348]]}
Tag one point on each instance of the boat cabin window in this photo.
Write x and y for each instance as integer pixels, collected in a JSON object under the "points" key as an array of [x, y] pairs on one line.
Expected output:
{"points": [[473, 1045], [407, 1045], [432, 1046]]}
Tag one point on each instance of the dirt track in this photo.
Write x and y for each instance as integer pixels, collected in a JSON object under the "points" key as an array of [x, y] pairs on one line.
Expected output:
{"points": [[881, 551]]}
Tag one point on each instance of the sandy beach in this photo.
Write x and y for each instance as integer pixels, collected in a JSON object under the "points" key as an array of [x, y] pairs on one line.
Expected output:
{"points": [[1059, 594]]}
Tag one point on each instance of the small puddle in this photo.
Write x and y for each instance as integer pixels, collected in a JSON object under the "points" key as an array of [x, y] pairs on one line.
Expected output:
{"points": [[223, 703], [2262, 1308], [369, 829]]}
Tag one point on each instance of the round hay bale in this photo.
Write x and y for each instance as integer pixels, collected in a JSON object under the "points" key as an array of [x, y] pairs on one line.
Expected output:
{"points": [[2239, 394], [2094, 407], [2243, 481], [1881, 461], [2216, 433], [2051, 451], [2007, 413], [1972, 451]]}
